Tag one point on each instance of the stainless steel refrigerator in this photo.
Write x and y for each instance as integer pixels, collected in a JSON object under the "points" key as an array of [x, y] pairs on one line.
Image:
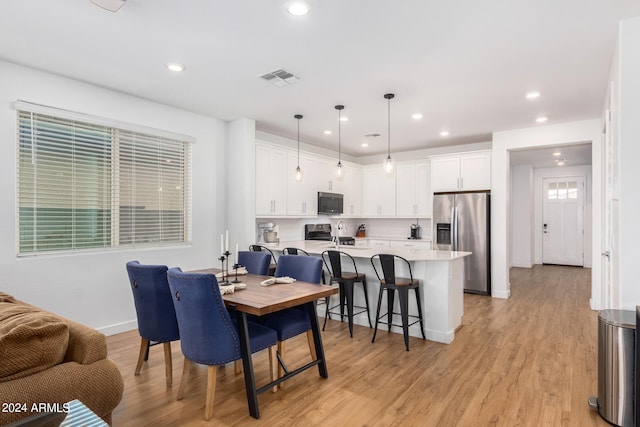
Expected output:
{"points": [[461, 223]]}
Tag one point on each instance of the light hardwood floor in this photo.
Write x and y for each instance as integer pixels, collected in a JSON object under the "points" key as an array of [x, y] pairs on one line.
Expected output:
{"points": [[527, 361]]}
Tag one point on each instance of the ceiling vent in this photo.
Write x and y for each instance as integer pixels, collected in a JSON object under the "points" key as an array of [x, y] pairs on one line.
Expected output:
{"points": [[372, 135], [280, 78]]}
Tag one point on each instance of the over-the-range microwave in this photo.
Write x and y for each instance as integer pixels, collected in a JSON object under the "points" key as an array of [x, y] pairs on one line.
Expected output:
{"points": [[329, 203]]}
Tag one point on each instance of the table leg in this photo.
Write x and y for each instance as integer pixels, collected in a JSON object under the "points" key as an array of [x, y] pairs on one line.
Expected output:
{"points": [[317, 339], [247, 364]]}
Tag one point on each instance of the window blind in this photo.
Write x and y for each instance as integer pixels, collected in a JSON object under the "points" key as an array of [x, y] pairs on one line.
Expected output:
{"points": [[84, 185]]}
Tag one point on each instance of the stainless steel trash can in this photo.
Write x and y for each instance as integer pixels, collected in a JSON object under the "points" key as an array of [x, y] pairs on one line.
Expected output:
{"points": [[616, 366]]}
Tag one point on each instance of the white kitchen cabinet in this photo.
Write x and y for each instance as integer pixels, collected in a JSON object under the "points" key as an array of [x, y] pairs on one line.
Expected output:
{"points": [[410, 244], [271, 181], [378, 192], [351, 186], [461, 172], [302, 197], [326, 178], [376, 243], [414, 197]]}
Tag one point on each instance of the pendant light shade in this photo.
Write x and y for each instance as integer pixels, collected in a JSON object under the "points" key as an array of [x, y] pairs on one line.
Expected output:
{"points": [[388, 162], [298, 170], [339, 168]]}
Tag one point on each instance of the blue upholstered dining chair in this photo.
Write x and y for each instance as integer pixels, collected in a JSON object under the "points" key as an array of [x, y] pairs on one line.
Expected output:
{"points": [[156, 316], [255, 262], [274, 261], [294, 321], [208, 335]]}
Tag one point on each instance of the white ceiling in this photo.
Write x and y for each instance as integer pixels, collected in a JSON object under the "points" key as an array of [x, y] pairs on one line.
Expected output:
{"points": [[465, 65]]}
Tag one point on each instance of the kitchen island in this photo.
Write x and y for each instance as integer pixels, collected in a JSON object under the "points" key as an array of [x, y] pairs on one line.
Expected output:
{"points": [[441, 275]]}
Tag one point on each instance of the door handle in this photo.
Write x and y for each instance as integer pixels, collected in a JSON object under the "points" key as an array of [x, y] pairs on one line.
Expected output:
{"points": [[607, 254]]}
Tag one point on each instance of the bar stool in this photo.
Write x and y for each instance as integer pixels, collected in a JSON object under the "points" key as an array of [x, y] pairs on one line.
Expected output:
{"points": [[294, 251], [332, 260], [274, 264], [390, 283]]}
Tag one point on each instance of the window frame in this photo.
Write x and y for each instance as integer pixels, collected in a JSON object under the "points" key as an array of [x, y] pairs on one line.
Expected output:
{"points": [[175, 144]]}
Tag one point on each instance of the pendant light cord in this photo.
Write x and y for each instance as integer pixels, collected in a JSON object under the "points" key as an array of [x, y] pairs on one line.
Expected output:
{"points": [[339, 134], [298, 142], [339, 108], [389, 97], [298, 116], [388, 127]]}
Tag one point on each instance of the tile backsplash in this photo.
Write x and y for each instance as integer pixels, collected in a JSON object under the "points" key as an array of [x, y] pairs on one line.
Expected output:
{"points": [[293, 228]]}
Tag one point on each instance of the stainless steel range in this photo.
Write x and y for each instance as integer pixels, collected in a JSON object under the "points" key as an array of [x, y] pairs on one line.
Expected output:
{"points": [[322, 232]]}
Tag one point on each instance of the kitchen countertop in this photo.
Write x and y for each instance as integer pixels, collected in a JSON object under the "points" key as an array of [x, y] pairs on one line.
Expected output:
{"points": [[317, 247]]}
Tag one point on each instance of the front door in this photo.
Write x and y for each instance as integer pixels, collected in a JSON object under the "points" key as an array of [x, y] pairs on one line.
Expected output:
{"points": [[563, 221]]}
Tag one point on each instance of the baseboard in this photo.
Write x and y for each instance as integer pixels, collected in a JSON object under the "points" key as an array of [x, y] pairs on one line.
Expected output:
{"points": [[523, 265], [119, 328], [443, 337], [501, 294], [414, 330]]}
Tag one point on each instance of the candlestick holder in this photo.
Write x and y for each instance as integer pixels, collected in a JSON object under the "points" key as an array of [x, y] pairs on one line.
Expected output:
{"points": [[224, 280], [235, 267], [226, 270]]}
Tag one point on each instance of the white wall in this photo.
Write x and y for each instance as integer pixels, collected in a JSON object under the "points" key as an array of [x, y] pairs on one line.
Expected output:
{"points": [[629, 154], [241, 178], [522, 225], [93, 288], [540, 136]]}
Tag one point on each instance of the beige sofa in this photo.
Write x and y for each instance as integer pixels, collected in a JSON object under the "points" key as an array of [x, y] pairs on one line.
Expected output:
{"points": [[45, 358]]}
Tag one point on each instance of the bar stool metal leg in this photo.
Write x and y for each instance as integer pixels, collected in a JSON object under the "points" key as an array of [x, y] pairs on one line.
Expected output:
{"points": [[366, 300], [390, 296], [403, 296], [375, 329], [420, 313]]}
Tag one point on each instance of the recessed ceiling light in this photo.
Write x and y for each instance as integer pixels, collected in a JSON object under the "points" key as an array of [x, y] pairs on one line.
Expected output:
{"points": [[541, 119], [557, 153], [444, 133], [416, 116], [344, 119], [174, 66], [327, 132], [298, 8], [364, 144], [533, 95]]}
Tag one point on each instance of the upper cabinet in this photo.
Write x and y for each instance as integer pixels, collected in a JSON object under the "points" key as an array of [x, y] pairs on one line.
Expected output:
{"points": [[351, 186], [378, 192], [301, 195], [461, 172], [327, 180], [271, 181], [414, 196]]}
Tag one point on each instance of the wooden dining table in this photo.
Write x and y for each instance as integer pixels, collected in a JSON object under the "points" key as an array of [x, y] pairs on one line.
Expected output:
{"points": [[261, 300]]}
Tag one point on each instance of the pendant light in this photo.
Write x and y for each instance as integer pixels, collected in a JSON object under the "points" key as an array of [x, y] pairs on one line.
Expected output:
{"points": [[298, 170], [339, 169], [388, 163]]}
